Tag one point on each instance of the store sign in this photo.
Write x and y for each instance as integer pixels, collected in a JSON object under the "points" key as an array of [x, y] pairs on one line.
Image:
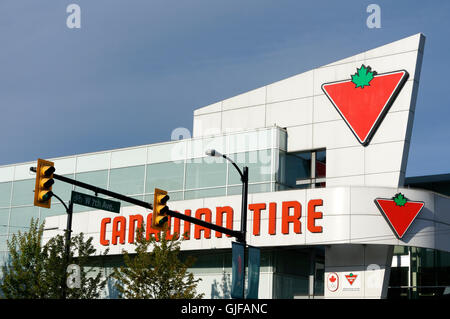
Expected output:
{"points": [[364, 100], [399, 211], [352, 282], [123, 229]]}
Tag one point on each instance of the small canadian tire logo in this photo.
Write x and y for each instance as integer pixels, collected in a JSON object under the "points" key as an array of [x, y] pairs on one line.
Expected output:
{"points": [[332, 281], [351, 278]]}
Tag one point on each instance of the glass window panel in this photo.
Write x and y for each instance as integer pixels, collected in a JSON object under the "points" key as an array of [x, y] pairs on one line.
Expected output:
{"points": [[127, 180], [4, 217], [321, 164], [5, 194], [167, 176], [54, 210], [21, 216], [14, 230], [23, 192], [125, 204], [201, 193], [62, 189], [208, 263], [205, 172], [282, 140], [96, 178], [240, 142], [252, 188], [259, 166], [293, 167]]}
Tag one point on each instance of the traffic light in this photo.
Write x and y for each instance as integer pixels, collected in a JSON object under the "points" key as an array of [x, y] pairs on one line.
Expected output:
{"points": [[159, 217], [44, 181]]}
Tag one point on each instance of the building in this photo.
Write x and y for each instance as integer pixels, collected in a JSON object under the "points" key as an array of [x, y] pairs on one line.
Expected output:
{"points": [[329, 203]]}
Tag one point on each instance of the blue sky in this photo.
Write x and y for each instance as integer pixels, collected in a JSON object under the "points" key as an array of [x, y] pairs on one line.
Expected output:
{"points": [[137, 69]]}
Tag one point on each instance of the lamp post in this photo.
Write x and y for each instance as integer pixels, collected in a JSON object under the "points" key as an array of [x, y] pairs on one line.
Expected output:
{"points": [[244, 179]]}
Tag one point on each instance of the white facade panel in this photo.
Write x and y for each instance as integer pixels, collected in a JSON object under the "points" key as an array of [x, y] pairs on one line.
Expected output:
{"points": [[371, 229], [298, 86], [358, 180], [207, 124], [94, 162], [23, 172], [342, 162], [216, 107], [393, 179], [297, 144], [129, 157], [385, 157], [290, 113], [322, 110], [243, 119], [404, 61], [341, 136], [175, 151], [6, 173], [65, 165], [393, 128], [405, 100], [251, 98], [411, 43]]}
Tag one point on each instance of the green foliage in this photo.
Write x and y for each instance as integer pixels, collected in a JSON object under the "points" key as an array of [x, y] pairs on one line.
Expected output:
{"points": [[400, 199], [362, 77], [37, 271], [26, 260], [156, 274]]}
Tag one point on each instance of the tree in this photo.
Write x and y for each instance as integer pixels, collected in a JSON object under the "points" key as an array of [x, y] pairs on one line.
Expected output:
{"points": [[156, 274], [37, 271], [20, 275]]}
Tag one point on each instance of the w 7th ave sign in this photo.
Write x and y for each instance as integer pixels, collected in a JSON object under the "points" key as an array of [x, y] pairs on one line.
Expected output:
{"points": [[95, 202]]}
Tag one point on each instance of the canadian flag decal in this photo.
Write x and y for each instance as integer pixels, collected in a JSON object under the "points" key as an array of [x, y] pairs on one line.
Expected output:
{"points": [[399, 211], [364, 100]]}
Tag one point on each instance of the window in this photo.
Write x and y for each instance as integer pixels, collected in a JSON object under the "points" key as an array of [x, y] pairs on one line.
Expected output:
{"points": [[96, 178], [127, 180], [167, 175], [259, 166], [205, 172], [5, 194], [302, 169], [23, 192], [4, 218]]}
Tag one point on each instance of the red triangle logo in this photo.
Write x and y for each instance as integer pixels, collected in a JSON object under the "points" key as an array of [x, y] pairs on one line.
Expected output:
{"points": [[400, 215], [364, 107], [351, 278]]}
